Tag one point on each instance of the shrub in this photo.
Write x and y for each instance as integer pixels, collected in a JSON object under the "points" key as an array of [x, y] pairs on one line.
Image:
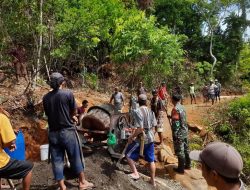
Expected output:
{"points": [[235, 128], [91, 80]]}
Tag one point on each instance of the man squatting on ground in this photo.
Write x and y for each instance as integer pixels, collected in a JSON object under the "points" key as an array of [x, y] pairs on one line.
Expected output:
{"points": [[221, 165], [118, 100], [158, 108], [180, 134], [12, 168], [144, 122], [60, 108]]}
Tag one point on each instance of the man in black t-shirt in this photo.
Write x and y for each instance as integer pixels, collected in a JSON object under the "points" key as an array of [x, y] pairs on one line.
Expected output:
{"points": [[60, 108]]}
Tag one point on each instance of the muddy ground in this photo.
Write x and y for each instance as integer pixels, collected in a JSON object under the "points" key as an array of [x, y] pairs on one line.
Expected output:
{"points": [[100, 168], [101, 171]]}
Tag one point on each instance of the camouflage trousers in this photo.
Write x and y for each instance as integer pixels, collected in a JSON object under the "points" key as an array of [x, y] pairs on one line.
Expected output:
{"points": [[181, 148]]}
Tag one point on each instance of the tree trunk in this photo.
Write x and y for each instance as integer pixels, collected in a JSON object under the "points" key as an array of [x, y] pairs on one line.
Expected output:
{"points": [[144, 4], [38, 64], [211, 52]]}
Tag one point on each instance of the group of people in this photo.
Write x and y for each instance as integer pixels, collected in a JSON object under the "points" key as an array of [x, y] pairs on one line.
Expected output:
{"points": [[212, 91], [221, 163], [148, 121]]}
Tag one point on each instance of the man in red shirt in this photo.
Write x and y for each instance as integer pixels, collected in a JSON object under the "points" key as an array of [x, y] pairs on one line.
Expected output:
{"points": [[163, 94], [82, 109]]}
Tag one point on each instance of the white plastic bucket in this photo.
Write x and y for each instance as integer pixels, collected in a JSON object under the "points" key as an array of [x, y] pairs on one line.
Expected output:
{"points": [[44, 151]]}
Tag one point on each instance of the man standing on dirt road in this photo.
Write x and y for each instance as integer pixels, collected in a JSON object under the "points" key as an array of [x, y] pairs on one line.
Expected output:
{"points": [[118, 100], [19, 58], [158, 109], [205, 93], [144, 123], [141, 90], [163, 94], [217, 90], [12, 168], [211, 91], [180, 134], [221, 166], [192, 93], [60, 108]]}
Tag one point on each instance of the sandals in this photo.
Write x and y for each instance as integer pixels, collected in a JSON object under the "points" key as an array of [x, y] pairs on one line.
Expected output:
{"points": [[87, 186], [131, 176]]}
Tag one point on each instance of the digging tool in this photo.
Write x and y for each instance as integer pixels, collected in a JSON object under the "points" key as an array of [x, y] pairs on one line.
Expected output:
{"points": [[142, 141], [11, 184], [122, 156]]}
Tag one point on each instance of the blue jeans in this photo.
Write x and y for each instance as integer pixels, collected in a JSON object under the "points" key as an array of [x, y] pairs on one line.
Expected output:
{"points": [[59, 142]]}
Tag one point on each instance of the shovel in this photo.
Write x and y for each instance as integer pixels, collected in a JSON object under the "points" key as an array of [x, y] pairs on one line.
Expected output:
{"points": [[118, 165]]}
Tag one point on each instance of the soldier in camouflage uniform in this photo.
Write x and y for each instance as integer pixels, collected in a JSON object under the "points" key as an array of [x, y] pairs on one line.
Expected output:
{"points": [[180, 134]]}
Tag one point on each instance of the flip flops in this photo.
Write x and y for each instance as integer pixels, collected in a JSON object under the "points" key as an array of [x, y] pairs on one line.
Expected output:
{"points": [[88, 186], [131, 176]]}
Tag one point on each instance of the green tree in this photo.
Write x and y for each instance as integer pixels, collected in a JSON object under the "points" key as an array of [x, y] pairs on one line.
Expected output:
{"points": [[150, 50], [244, 62]]}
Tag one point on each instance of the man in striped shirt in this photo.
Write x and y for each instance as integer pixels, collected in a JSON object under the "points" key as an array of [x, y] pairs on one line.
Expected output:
{"points": [[145, 122]]}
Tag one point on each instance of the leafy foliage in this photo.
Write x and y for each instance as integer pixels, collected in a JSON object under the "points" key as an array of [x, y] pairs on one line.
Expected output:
{"points": [[235, 128], [136, 37], [244, 62]]}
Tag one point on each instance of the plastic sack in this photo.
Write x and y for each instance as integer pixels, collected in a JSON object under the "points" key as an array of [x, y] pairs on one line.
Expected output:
{"points": [[111, 139]]}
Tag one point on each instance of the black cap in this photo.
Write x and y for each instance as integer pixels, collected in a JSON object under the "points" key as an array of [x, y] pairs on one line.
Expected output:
{"points": [[176, 97], [154, 92]]}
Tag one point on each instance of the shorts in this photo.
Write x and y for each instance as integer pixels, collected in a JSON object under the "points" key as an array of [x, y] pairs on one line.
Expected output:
{"points": [[217, 94], [133, 151], [192, 96], [20, 68], [118, 107], [16, 169], [59, 142], [211, 96], [160, 122]]}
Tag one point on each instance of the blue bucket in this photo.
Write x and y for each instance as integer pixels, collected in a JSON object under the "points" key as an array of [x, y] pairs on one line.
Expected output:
{"points": [[19, 153]]}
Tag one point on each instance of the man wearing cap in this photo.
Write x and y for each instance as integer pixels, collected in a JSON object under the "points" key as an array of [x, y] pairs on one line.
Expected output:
{"points": [[180, 134], [217, 90], [118, 100], [60, 108], [221, 166], [144, 123]]}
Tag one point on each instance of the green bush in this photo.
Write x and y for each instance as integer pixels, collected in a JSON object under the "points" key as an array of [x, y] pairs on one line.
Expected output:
{"points": [[224, 130], [91, 80], [235, 128], [195, 143]]}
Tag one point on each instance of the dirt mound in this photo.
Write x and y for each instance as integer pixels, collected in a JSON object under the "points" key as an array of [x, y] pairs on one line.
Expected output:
{"points": [[102, 172]]}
